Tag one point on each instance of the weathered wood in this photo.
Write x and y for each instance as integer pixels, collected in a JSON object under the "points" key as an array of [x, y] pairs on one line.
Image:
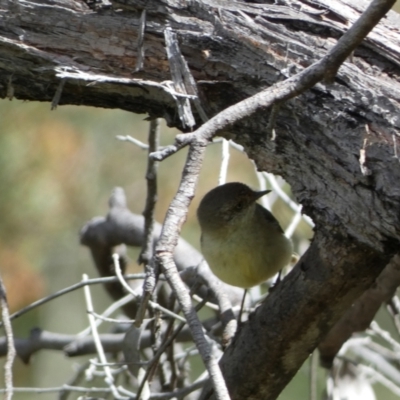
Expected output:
{"points": [[337, 144]]}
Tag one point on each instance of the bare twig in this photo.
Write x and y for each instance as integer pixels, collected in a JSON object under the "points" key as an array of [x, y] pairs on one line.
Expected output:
{"points": [[133, 140], [71, 288], [363, 157], [137, 295], [378, 377], [168, 339], [74, 381], [176, 215], [8, 376], [385, 335], [190, 85], [156, 396], [172, 365], [74, 346], [359, 348], [113, 320], [393, 307], [180, 393], [285, 198], [293, 224], [227, 316], [167, 342], [272, 120], [57, 94], [103, 317], [132, 358], [224, 163], [146, 255], [100, 351], [57, 389], [176, 67]]}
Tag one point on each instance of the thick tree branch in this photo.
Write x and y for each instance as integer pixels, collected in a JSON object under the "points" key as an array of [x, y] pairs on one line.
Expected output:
{"points": [[291, 87]]}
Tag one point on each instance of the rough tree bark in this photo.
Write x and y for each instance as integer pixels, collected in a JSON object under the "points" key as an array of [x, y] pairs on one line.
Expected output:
{"points": [[337, 144]]}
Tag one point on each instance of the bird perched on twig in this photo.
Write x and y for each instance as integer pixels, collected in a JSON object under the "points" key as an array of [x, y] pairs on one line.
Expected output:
{"points": [[242, 242]]}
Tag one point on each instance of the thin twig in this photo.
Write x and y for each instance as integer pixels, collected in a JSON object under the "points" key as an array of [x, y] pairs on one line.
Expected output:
{"points": [[167, 342], [100, 351], [176, 68], [172, 365], [212, 306], [226, 313], [8, 376], [272, 120], [132, 356], [78, 389], [112, 320], [80, 372], [378, 377], [71, 288], [146, 254], [133, 140], [385, 335], [293, 224], [189, 352], [180, 393], [57, 94], [393, 307], [100, 318], [155, 306], [224, 163], [360, 351], [155, 361], [262, 186], [191, 87], [121, 365], [285, 198]]}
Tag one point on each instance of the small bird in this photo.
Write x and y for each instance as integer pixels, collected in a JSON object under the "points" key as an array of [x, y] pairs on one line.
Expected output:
{"points": [[242, 242]]}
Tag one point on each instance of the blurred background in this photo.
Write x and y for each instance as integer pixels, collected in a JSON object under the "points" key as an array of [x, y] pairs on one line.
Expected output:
{"points": [[57, 171]]}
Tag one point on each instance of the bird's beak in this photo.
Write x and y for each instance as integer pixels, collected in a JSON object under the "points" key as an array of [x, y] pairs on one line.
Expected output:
{"points": [[261, 193]]}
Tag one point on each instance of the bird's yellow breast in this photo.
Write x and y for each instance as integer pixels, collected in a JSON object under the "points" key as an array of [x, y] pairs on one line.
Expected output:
{"points": [[234, 260]]}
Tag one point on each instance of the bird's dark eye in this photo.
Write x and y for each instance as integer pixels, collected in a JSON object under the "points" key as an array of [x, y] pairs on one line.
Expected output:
{"points": [[239, 206]]}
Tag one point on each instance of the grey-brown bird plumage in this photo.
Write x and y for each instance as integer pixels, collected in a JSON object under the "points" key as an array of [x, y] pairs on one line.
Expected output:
{"points": [[242, 242]]}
